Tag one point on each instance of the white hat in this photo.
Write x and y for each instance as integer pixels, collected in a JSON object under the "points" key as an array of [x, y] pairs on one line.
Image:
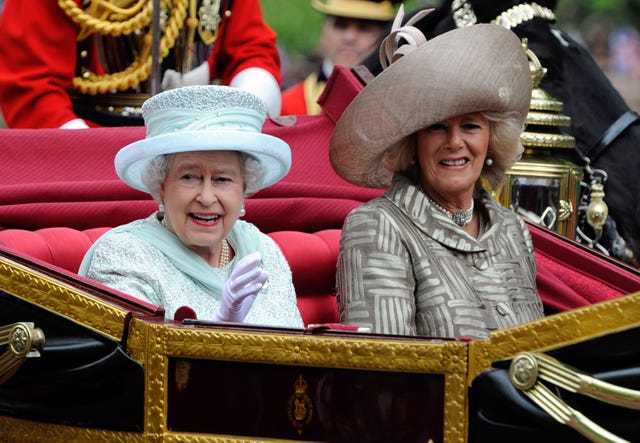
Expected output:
{"points": [[204, 118]]}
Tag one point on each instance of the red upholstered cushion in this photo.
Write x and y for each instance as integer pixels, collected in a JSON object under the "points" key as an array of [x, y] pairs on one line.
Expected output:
{"points": [[312, 258], [62, 247]]}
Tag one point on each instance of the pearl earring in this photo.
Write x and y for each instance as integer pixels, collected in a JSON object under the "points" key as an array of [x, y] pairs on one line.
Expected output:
{"points": [[243, 211], [489, 161]]}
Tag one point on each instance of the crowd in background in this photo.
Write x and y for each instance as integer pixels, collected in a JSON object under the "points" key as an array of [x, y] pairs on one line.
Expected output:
{"points": [[615, 47]]}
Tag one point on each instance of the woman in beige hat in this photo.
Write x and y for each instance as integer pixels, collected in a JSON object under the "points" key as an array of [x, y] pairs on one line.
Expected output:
{"points": [[436, 255], [203, 154]]}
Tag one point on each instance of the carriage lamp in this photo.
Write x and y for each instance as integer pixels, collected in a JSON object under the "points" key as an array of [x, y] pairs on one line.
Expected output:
{"points": [[540, 187]]}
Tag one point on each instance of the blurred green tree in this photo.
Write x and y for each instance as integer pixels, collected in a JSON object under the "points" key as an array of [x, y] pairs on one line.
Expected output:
{"points": [[298, 25]]}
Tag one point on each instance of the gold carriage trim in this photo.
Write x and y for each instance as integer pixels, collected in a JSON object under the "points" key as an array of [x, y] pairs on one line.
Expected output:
{"points": [[156, 345], [538, 140], [545, 119]]}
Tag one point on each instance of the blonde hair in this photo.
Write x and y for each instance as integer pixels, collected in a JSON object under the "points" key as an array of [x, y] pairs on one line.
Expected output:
{"points": [[505, 148]]}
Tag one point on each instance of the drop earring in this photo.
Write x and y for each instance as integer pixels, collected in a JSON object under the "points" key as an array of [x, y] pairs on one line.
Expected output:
{"points": [[161, 216], [160, 213], [243, 211], [489, 161]]}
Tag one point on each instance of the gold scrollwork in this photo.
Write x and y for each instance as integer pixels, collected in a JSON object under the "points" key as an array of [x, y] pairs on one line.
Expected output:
{"points": [[565, 211]]}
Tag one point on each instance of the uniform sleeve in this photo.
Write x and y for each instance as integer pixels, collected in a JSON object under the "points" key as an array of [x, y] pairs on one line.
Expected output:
{"points": [[37, 64], [246, 41], [277, 304], [374, 277]]}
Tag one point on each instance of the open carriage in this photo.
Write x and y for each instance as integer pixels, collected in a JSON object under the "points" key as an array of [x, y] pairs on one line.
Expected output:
{"points": [[80, 362]]}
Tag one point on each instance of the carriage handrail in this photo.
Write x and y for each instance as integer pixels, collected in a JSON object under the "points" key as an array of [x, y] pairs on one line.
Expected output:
{"points": [[527, 368]]}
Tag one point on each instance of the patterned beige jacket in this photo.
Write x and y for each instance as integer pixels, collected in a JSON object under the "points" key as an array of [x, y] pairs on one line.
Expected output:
{"points": [[406, 268]]}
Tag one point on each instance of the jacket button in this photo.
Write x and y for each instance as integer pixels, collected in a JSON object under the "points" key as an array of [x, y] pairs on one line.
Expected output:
{"points": [[503, 308], [480, 263]]}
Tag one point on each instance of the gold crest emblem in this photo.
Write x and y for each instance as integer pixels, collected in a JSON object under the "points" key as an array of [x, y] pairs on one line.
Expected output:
{"points": [[300, 406]]}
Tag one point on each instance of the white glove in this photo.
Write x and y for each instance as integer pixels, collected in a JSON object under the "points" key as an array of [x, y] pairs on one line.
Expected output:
{"points": [[260, 82], [173, 79], [241, 289], [76, 123]]}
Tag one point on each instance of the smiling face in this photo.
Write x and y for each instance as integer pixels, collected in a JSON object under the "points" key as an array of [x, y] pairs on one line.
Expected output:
{"points": [[203, 194], [451, 155]]}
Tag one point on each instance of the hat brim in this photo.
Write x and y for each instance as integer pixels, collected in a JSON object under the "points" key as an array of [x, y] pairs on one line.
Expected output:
{"points": [[477, 68], [363, 9], [273, 153]]}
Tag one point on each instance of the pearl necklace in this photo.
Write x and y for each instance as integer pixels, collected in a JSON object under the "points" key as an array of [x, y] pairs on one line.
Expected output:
{"points": [[460, 217], [225, 254], [225, 249]]}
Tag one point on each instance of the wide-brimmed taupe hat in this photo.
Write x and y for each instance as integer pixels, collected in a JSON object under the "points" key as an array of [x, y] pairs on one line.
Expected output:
{"points": [[204, 118], [482, 67], [381, 10]]}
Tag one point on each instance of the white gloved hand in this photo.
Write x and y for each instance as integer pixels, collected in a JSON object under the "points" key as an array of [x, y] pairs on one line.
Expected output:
{"points": [[260, 82], [76, 123], [241, 289], [198, 76]]}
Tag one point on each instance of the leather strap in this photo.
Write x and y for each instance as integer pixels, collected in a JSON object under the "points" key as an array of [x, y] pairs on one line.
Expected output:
{"points": [[622, 123]]}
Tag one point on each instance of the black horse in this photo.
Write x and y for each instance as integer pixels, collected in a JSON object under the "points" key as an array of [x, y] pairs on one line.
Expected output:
{"points": [[607, 132]]}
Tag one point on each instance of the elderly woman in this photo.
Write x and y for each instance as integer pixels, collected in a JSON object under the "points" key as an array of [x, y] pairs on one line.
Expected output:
{"points": [[203, 154], [435, 255]]}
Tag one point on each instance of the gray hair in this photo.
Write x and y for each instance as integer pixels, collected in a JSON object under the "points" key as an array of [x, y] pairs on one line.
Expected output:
{"points": [[156, 172], [505, 148]]}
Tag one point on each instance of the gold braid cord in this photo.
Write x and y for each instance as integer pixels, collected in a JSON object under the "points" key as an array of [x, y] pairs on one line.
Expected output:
{"points": [[107, 18]]}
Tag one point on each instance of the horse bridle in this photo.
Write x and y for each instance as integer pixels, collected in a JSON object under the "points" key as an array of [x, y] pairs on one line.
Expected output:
{"points": [[611, 133], [463, 14]]}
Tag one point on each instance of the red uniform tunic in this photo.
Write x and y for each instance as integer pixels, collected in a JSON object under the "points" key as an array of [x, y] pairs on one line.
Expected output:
{"points": [[302, 97], [38, 54]]}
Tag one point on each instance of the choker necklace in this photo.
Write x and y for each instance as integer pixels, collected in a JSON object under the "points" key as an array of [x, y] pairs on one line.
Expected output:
{"points": [[225, 254], [460, 217]]}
